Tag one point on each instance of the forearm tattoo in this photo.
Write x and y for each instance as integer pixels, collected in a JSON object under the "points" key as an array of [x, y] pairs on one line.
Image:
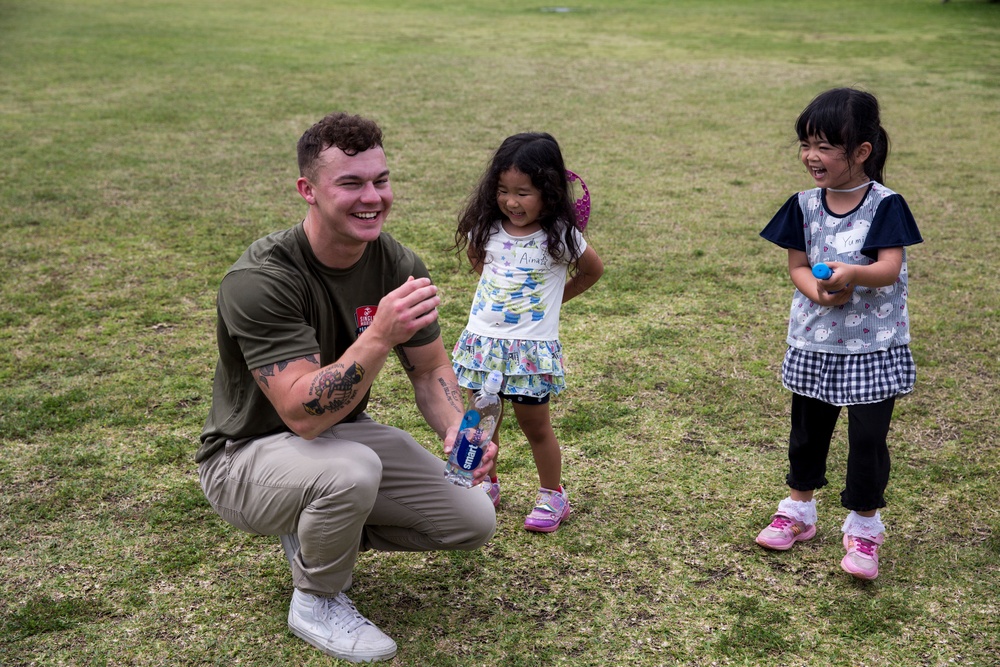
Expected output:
{"points": [[453, 394], [333, 389], [270, 370]]}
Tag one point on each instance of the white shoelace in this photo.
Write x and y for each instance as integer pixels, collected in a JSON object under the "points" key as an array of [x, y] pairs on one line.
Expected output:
{"points": [[340, 610]]}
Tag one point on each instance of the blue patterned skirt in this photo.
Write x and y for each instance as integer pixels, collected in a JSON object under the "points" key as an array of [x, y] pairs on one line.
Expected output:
{"points": [[530, 367]]}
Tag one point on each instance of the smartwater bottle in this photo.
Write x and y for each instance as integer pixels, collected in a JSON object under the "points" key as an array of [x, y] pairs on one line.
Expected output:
{"points": [[475, 432]]}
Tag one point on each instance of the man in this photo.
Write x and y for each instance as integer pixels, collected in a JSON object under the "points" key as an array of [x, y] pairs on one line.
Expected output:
{"points": [[306, 319]]}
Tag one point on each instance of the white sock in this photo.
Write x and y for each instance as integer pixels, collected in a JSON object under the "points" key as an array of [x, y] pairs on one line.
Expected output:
{"points": [[800, 510], [868, 527]]}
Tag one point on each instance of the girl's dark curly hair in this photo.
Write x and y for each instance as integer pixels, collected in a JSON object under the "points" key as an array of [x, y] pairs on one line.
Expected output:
{"points": [[537, 156]]}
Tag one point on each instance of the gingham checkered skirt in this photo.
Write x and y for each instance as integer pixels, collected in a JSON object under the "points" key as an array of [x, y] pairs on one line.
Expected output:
{"points": [[849, 379]]}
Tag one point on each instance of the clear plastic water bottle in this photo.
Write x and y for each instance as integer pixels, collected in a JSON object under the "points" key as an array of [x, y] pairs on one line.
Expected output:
{"points": [[475, 432]]}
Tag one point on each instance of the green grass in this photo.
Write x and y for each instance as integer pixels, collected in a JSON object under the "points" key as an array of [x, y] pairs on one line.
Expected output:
{"points": [[144, 145]]}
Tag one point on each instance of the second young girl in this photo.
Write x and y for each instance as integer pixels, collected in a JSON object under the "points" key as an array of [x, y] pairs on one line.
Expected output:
{"points": [[848, 335], [520, 232]]}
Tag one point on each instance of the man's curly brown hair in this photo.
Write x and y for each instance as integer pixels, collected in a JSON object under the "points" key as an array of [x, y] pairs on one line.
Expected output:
{"points": [[351, 134]]}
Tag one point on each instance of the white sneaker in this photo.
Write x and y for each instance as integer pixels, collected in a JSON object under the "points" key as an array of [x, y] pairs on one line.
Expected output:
{"points": [[334, 626]]}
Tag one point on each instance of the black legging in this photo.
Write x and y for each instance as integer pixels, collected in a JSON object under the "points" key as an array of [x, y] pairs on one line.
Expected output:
{"points": [[813, 422]]}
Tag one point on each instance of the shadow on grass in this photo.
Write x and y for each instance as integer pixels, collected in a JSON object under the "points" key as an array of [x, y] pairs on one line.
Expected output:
{"points": [[756, 631], [45, 614]]}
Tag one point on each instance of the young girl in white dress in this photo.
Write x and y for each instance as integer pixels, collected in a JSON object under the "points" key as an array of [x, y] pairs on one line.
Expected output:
{"points": [[522, 232]]}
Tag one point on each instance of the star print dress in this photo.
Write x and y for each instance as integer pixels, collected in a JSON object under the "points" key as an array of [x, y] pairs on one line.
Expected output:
{"points": [[514, 320], [858, 352]]}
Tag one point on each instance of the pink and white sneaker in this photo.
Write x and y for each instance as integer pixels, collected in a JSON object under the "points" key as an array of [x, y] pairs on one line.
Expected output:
{"points": [[551, 509], [492, 489], [783, 532], [861, 559]]}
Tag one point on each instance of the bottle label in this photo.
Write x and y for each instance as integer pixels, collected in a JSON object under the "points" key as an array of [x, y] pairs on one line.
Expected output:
{"points": [[469, 451], [470, 418]]}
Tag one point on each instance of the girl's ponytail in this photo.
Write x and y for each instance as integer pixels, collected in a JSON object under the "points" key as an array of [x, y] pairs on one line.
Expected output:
{"points": [[875, 164]]}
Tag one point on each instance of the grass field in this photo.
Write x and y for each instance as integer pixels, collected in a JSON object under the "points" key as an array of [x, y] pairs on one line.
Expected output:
{"points": [[146, 144]]}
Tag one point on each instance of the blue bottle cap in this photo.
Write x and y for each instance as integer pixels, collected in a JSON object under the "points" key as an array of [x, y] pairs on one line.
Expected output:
{"points": [[822, 271]]}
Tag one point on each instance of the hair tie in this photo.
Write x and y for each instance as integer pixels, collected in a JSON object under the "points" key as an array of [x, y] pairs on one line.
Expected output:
{"points": [[582, 205]]}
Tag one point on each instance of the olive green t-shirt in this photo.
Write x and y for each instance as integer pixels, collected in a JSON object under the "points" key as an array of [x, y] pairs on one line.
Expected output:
{"points": [[278, 303]]}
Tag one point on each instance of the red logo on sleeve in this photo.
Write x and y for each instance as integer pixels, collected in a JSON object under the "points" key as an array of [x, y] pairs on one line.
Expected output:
{"points": [[363, 317]]}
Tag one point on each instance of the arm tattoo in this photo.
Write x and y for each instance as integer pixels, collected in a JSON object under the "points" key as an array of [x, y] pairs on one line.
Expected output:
{"points": [[337, 388], [453, 394], [261, 374], [404, 360]]}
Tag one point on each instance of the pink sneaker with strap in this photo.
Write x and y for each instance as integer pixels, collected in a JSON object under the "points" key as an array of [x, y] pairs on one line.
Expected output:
{"points": [[783, 532], [551, 509], [861, 559]]}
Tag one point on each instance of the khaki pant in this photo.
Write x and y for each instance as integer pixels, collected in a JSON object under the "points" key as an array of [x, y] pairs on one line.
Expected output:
{"points": [[358, 486]]}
